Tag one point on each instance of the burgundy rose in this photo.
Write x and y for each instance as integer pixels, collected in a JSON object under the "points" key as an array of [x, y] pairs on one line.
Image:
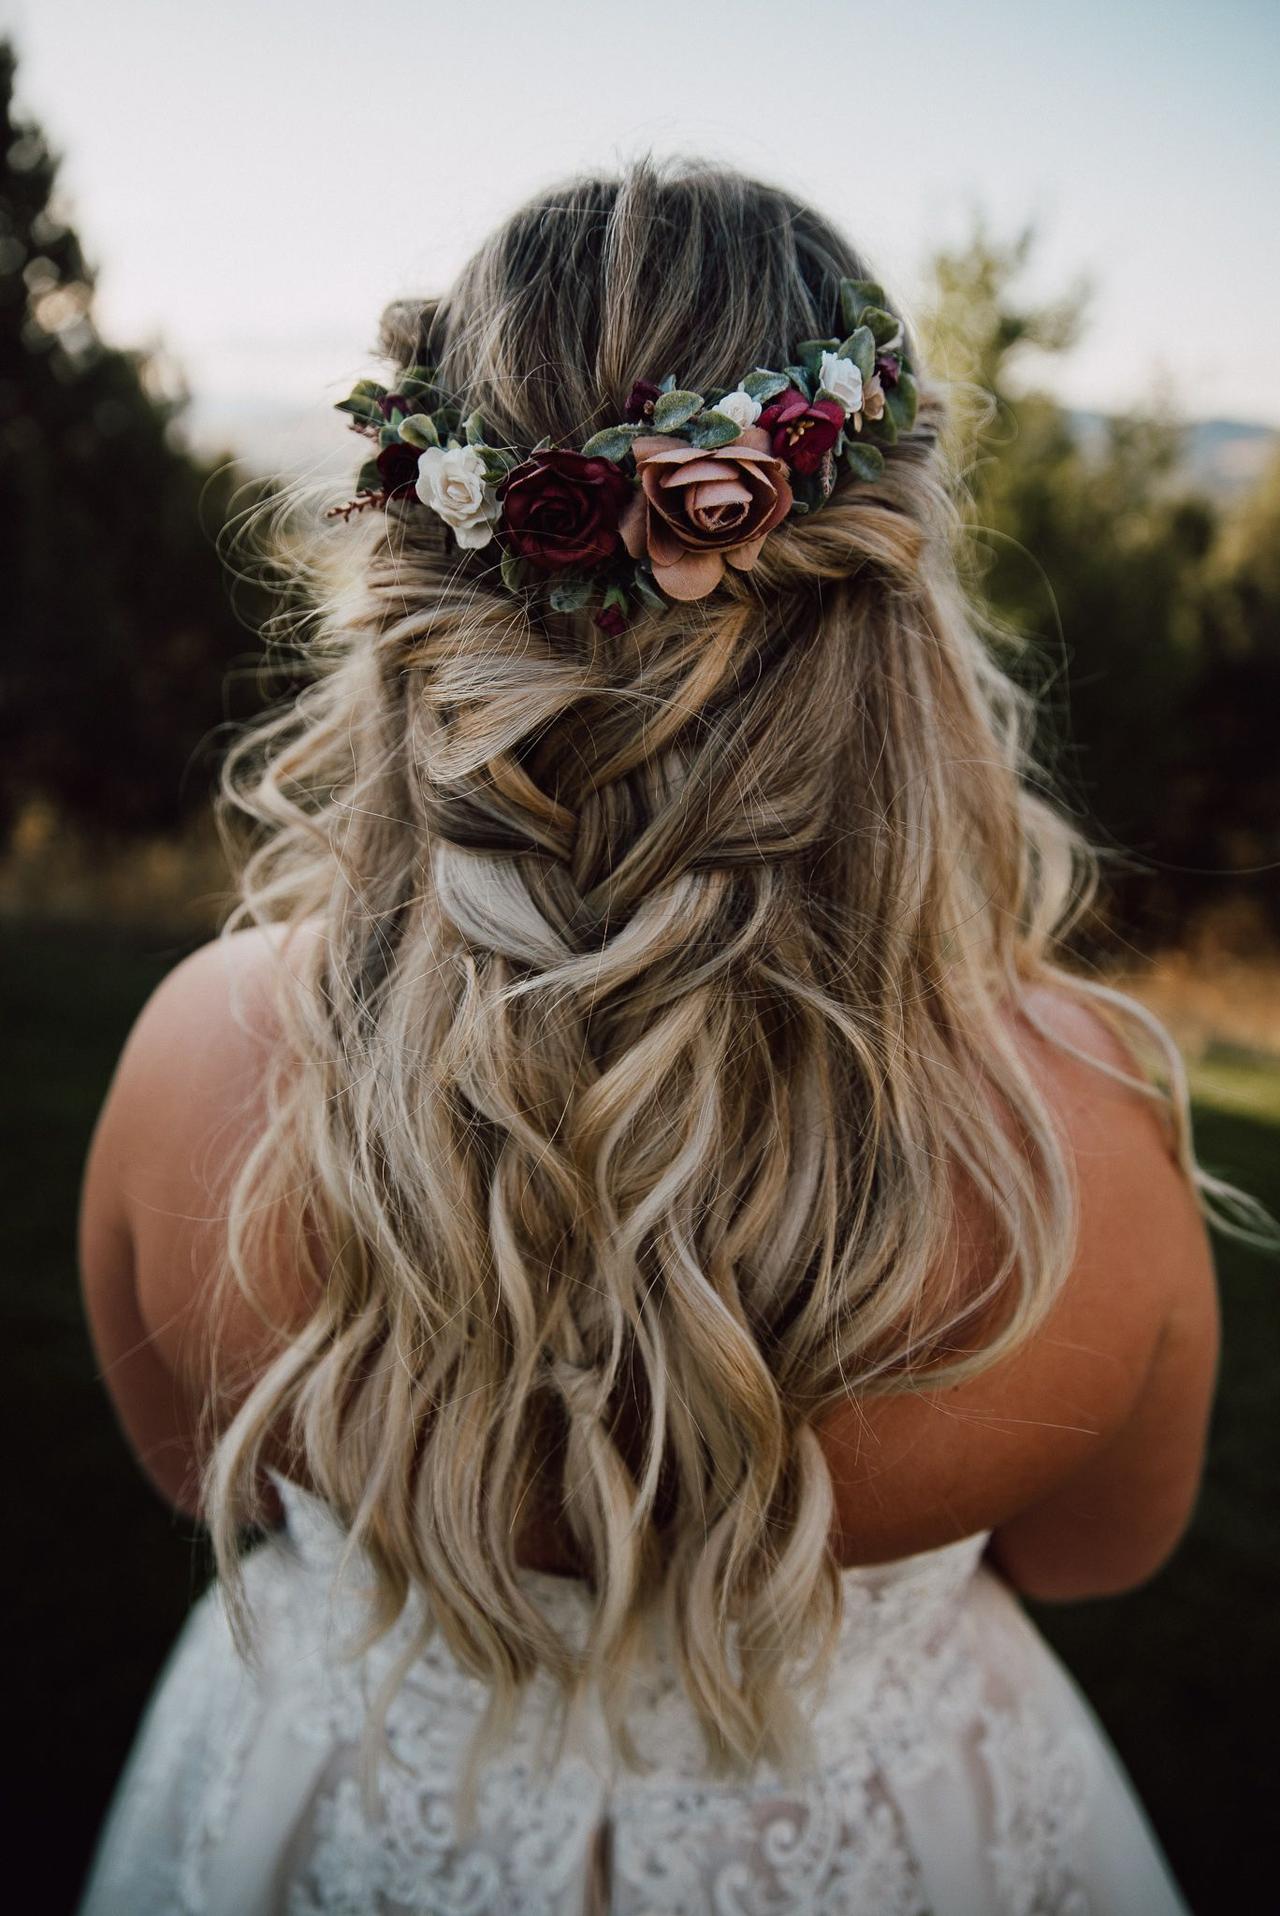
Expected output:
{"points": [[560, 509], [802, 433], [611, 621], [641, 400], [889, 367], [398, 469]]}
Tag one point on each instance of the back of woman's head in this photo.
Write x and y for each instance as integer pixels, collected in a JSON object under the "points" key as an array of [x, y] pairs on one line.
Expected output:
{"points": [[661, 1014]]}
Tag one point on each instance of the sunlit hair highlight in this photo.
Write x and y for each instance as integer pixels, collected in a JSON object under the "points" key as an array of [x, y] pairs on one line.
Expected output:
{"points": [[662, 1010]]}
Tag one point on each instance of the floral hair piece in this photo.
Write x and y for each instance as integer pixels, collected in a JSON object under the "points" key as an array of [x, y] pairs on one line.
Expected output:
{"points": [[655, 507]]}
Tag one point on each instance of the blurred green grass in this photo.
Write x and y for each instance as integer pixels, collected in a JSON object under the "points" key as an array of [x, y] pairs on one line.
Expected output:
{"points": [[1182, 1673]]}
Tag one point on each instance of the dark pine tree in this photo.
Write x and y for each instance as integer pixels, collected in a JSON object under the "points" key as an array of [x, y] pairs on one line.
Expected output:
{"points": [[118, 627]]}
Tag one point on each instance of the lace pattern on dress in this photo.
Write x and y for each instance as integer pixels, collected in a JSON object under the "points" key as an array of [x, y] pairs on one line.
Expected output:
{"points": [[906, 1699]]}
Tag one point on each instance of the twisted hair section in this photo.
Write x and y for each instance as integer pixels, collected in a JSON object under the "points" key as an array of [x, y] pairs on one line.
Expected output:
{"points": [[660, 1010]]}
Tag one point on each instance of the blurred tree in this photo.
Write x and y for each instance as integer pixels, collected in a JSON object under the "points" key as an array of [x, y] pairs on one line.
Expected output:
{"points": [[118, 625], [1154, 658]]}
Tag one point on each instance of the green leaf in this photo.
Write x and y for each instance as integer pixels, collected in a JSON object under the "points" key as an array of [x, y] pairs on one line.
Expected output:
{"points": [[901, 402], [388, 436], [860, 347], [674, 409], [855, 295], [864, 462], [614, 442], [369, 478], [883, 430], [764, 385], [711, 429], [362, 408], [419, 429], [809, 352], [497, 463], [647, 592], [809, 490], [799, 378], [615, 599], [473, 430], [543, 445], [883, 325], [414, 380], [570, 595], [668, 384], [513, 572]]}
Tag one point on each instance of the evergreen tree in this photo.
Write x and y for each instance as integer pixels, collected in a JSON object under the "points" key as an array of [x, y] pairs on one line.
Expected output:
{"points": [[118, 630]]}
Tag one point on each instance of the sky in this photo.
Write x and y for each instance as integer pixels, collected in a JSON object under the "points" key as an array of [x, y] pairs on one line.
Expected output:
{"points": [[253, 180]]}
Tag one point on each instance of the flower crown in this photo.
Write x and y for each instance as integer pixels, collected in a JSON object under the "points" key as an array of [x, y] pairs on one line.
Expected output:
{"points": [[658, 504]]}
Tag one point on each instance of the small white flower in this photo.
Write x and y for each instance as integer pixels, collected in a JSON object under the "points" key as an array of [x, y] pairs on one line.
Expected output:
{"points": [[842, 380], [451, 481], [740, 407]]}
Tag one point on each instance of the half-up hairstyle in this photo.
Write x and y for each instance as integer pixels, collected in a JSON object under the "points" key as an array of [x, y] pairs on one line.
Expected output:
{"points": [[661, 1006]]}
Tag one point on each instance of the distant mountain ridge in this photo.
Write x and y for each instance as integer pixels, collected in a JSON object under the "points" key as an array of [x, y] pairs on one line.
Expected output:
{"points": [[1222, 457]]}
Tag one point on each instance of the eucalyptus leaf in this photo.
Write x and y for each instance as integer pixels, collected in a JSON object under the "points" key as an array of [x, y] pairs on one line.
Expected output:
{"points": [[414, 380], [860, 347], [513, 572], [647, 592], [711, 429], [497, 464], [388, 436], [570, 595], [901, 402], [668, 384], [764, 385], [799, 378], [809, 490], [883, 430], [855, 295], [863, 461], [883, 325], [473, 430], [419, 429], [369, 478], [809, 352], [361, 407], [674, 409], [613, 442]]}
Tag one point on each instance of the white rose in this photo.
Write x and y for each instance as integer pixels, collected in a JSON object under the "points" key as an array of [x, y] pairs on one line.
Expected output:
{"points": [[740, 407], [451, 481], [842, 380]]}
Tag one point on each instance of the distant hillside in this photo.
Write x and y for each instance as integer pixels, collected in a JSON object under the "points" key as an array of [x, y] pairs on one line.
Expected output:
{"points": [[1222, 457]]}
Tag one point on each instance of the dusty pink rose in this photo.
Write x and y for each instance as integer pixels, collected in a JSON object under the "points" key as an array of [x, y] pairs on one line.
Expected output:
{"points": [[694, 511]]}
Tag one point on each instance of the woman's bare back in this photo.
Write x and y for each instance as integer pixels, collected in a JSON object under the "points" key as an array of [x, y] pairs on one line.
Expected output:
{"points": [[1082, 1452]]}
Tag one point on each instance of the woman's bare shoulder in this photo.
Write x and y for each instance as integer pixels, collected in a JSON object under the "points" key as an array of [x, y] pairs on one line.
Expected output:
{"points": [[913, 1469], [187, 1095]]}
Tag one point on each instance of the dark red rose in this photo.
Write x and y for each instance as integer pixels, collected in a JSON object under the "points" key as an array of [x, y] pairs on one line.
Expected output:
{"points": [[398, 468], [641, 400], [800, 432], [560, 509], [889, 367], [611, 620]]}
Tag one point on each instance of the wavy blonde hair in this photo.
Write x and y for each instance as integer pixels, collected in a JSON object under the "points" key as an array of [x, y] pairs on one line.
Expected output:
{"points": [[661, 1009]]}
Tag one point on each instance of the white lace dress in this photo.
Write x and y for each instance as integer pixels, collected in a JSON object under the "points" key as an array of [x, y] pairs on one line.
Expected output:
{"points": [[963, 1775]]}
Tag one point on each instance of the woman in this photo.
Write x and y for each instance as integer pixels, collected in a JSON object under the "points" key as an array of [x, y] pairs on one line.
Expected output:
{"points": [[634, 1206]]}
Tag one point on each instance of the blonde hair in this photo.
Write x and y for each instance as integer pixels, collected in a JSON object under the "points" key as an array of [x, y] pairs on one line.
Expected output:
{"points": [[662, 1003]]}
